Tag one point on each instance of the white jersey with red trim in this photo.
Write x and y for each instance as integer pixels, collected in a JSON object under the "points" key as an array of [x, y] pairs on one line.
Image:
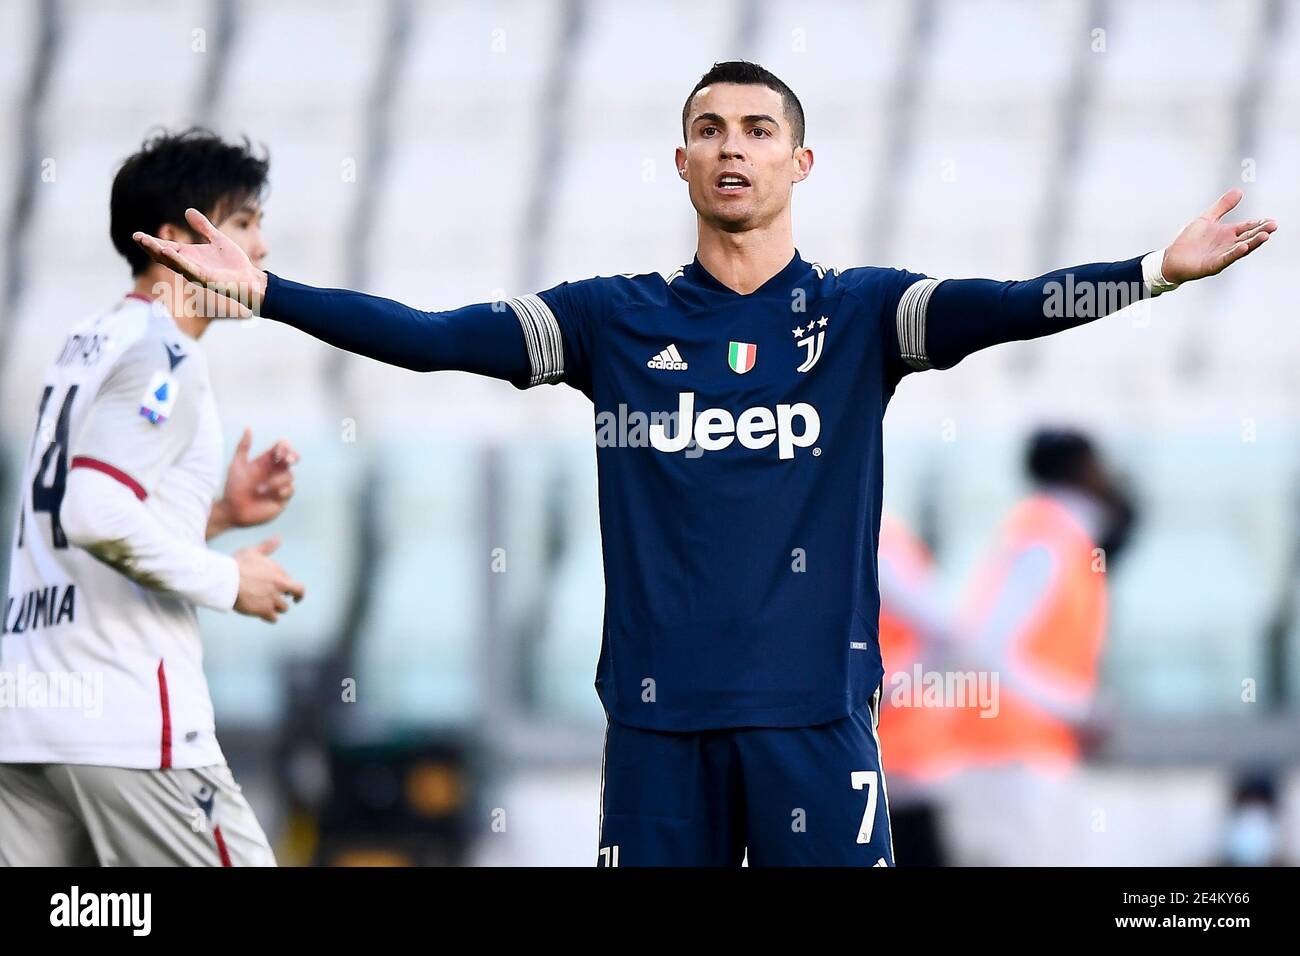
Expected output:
{"points": [[96, 668]]}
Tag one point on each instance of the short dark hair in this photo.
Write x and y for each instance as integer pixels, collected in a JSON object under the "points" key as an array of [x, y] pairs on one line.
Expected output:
{"points": [[742, 71], [1059, 456], [174, 171]]}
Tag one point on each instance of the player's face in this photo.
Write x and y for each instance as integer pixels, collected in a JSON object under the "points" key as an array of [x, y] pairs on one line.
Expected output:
{"points": [[244, 227], [740, 161]]}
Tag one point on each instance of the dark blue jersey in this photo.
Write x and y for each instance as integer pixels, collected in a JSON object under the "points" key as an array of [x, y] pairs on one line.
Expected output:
{"points": [[738, 447], [739, 454]]}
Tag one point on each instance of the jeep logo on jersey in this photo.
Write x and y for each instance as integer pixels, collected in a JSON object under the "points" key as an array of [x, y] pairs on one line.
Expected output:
{"points": [[741, 356], [755, 428]]}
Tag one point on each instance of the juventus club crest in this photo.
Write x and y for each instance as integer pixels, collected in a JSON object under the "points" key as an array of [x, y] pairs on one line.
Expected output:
{"points": [[811, 339]]}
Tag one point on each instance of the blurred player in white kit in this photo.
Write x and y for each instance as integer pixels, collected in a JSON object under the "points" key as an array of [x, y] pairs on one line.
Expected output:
{"points": [[108, 751]]}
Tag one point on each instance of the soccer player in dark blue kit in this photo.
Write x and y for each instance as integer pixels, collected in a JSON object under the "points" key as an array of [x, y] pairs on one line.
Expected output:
{"points": [[738, 406]]}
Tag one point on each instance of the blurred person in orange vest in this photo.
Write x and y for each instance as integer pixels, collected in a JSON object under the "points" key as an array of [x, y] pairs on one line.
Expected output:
{"points": [[1035, 619], [915, 733]]}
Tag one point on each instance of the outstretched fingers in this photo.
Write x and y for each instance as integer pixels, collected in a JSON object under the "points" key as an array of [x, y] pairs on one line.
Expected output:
{"points": [[165, 251], [1248, 231], [1243, 248], [1224, 204], [168, 253], [200, 224], [153, 245]]}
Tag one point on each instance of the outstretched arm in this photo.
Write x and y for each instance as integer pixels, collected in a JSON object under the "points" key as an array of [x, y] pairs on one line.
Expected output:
{"points": [[486, 338], [517, 340], [940, 322]]}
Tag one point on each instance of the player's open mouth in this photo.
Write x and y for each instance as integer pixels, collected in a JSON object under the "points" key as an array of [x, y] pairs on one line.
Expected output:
{"points": [[731, 183]]}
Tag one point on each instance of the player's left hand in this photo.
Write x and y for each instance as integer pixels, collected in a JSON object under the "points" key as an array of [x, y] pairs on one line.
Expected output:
{"points": [[257, 489], [1208, 245]]}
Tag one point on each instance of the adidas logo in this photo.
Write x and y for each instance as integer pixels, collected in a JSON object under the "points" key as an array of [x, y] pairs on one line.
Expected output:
{"points": [[669, 359]]}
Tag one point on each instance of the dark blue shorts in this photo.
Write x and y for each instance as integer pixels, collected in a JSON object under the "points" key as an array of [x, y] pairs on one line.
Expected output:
{"points": [[790, 796]]}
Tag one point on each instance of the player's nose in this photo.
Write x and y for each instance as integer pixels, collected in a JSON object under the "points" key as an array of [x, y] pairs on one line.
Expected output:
{"points": [[732, 148]]}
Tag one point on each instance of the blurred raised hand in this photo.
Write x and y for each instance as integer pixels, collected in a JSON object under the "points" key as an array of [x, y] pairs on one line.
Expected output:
{"points": [[257, 489]]}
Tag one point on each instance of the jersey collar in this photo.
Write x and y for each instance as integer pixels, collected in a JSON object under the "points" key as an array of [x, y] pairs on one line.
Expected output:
{"points": [[780, 284]]}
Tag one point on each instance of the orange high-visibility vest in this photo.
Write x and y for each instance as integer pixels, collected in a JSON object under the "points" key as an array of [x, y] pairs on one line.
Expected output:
{"points": [[915, 742], [1055, 651]]}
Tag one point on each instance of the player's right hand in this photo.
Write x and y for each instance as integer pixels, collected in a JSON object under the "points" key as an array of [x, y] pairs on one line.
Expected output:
{"points": [[264, 586], [217, 263]]}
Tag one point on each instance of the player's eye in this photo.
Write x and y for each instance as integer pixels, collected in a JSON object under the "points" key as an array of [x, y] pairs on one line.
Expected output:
{"points": [[760, 130], [708, 129]]}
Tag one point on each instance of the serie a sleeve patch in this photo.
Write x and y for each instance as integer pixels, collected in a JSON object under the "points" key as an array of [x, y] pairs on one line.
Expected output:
{"points": [[160, 397]]}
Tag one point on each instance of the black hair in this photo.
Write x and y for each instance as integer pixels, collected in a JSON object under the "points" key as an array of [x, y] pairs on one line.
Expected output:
{"points": [[174, 171], [1059, 457], [742, 71]]}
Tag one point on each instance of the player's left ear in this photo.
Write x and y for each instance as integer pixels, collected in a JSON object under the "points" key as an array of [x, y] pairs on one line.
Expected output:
{"points": [[803, 163], [679, 159], [171, 232]]}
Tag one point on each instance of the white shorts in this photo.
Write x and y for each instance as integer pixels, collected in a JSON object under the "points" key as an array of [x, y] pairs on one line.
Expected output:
{"points": [[74, 815]]}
